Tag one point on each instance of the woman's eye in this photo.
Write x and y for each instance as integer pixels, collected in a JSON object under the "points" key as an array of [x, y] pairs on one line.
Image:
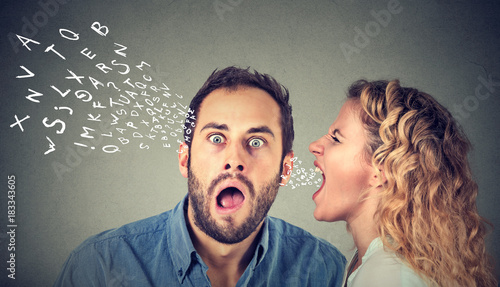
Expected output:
{"points": [[335, 139], [256, 142], [216, 139]]}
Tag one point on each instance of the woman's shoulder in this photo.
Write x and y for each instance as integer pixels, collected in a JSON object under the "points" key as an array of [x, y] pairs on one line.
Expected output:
{"points": [[381, 267]]}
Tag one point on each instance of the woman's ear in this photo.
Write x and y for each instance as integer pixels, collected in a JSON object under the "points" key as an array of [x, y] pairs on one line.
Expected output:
{"points": [[378, 177], [287, 168], [183, 159]]}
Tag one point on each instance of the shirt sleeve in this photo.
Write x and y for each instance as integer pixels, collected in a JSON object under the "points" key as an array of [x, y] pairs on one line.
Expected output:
{"points": [[82, 269]]}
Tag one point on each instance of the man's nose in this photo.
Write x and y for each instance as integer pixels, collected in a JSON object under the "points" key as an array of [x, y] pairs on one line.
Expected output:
{"points": [[235, 158]]}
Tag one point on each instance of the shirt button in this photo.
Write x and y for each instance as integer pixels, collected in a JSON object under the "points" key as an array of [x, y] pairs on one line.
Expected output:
{"points": [[179, 272]]}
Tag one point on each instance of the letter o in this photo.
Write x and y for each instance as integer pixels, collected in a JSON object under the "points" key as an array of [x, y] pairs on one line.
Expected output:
{"points": [[471, 103], [110, 149], [82, 152], [369, 31], [44, 17], [479, 95], [75, 35]]}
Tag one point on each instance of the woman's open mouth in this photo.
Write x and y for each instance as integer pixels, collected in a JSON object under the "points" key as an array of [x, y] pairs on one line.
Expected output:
{"points": [[322, 184]]}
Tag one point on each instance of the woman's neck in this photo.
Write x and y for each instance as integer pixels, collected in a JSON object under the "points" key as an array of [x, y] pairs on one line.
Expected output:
{"points": [[364, 228]]}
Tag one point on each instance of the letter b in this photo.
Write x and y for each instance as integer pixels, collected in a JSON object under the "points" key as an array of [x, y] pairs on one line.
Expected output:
{"points": [[50, 7], [29, 30], [72, 158], [383, 17], [96, 26], [360, 35], [123, 140]]}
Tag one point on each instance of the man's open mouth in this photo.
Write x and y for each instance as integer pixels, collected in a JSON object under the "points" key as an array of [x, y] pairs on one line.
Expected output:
{"points": [[230, 197]]}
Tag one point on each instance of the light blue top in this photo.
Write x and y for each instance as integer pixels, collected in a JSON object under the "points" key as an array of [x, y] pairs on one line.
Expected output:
{"points": [[158, 251], [380, 267]]}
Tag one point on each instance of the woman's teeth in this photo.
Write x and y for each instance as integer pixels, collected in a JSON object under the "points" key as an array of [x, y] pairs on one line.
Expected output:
{"points": [[318, 170]]}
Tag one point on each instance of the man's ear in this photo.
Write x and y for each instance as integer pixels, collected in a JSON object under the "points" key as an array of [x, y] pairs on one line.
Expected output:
{"points": [[287, 168], [378, 177], [183, 159]]}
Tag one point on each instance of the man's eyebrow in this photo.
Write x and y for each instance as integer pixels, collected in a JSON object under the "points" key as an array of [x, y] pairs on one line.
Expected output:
{"points": [[214, 125], [224, 127], [261, 129]]}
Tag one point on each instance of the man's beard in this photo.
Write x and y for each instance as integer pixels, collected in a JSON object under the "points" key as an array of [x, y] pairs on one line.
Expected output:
{"points": [[260, 202]]}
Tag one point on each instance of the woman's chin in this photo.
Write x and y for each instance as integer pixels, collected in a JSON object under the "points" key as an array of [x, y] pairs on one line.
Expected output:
{"points": [[318, 216]]}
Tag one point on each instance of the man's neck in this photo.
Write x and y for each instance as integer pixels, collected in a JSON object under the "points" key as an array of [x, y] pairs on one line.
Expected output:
{"points": [[226, 262]]}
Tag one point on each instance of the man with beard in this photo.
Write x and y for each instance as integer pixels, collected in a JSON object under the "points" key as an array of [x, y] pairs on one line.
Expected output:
{"points": [[236, 155]]}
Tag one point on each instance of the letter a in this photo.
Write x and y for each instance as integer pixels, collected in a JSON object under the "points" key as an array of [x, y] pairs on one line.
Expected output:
{"points": [[26, 41], [348, 50], [221, 8]]}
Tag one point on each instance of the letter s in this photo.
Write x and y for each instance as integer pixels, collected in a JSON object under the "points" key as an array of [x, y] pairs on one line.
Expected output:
{"points": [[57, 121]]}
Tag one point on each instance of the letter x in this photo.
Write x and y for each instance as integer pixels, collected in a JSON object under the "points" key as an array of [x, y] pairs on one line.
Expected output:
{"points": [[75, 77], [18, 122]]}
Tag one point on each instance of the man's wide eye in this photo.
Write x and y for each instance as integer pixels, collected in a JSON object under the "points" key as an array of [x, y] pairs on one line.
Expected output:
{"points": [[256, 142], [216, 139]]}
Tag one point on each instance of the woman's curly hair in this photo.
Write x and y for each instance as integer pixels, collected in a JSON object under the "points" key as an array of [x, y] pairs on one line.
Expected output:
{"points": [[427, 212]]}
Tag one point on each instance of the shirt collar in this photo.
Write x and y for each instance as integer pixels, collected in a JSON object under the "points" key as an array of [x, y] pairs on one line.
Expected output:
{"points": [[374, 246], [182, 249], [179, 241], [262, 246]]}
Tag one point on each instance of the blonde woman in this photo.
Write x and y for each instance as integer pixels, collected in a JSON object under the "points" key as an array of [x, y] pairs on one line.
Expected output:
{"points": [[395, 169]]}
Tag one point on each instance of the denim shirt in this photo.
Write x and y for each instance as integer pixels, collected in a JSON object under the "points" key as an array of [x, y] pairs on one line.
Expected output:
{"points": [[158, 251]]}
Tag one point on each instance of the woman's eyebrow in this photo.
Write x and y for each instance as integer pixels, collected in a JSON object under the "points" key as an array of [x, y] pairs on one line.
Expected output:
{"points": [[337, 131]]}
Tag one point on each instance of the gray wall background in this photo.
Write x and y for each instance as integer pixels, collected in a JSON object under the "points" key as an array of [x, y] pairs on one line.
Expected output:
{"points": [[449, 49]]}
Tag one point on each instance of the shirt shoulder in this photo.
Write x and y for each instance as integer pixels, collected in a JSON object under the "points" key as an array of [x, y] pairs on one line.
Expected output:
{"points": [[127, 232], [294, 236], [304, 259], [295, 257], [121, 255], [384, 268]]}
